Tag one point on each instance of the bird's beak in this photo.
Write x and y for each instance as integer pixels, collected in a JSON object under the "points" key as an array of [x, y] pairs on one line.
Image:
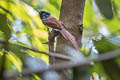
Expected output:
{"points": [[39, 11]]}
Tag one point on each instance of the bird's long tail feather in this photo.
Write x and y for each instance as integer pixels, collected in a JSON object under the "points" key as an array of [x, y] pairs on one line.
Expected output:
{"points": [[70, 37]]}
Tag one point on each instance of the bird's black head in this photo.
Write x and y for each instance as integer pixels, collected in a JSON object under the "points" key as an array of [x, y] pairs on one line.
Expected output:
{"points": [[44, 14]]}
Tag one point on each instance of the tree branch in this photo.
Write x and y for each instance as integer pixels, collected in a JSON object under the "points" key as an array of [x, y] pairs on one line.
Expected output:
{"points": [[71, 14], [57, 55], [70, 64]]}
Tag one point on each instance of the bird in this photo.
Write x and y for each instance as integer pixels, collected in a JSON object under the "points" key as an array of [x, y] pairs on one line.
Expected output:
{"points": [[57, 25]]}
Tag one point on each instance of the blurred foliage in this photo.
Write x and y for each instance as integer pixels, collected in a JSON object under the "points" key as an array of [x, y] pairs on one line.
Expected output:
{"points": [[101, 34], [4, 27], [21, 26], [105, 8], [111, 67], [105, 45]]}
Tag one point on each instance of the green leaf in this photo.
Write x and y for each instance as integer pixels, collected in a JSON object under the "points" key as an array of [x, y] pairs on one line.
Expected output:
{"points": [[105, 45], [105, 8], [115, 8], [7, 12], [98, 68], [4, 26], [81, 73], [111, 67], [113, 25], [14, 60], [56, 3]]}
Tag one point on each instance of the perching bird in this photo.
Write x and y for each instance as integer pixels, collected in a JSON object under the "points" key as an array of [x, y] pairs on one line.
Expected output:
{"points": [[57, 25]]}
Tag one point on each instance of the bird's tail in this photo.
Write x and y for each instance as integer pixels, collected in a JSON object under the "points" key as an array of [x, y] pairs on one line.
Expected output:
{"points": [[70, 37]]}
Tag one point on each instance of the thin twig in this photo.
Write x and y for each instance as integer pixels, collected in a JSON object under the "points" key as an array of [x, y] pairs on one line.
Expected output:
{"points": [[60, 56], [70, 64], [57, 55]]}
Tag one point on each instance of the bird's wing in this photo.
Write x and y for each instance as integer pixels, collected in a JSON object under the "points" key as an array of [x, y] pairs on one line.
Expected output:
{"points": [[67, 35], [52, 22]]}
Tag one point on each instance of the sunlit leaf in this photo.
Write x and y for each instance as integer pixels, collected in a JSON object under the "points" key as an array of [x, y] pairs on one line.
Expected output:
{"points": [[39, 55], [115, 8], [15, 60], [113, 25], [36, 3], [36, 77], [19, 51], [88, 18], [116, 3], [41, 34], [98, 68]]}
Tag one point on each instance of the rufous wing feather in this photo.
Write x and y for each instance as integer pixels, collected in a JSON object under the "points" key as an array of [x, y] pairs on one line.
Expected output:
{"points": [[69, 37]]}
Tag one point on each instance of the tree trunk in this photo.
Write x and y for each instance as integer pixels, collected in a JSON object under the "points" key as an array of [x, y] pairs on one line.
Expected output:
{"points": [[71, 15]]}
